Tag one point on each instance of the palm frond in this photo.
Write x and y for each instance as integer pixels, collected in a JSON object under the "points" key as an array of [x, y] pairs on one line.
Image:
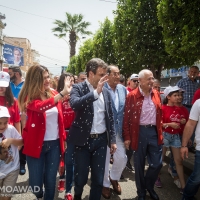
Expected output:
{"points": [[60, 35], [73, 23], [82, 31], [83, 25]]}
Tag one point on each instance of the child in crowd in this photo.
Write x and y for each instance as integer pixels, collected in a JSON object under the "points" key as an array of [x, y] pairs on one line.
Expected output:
{"points": [[185, 115], [173, 121], [7, 99], [68, 118], [10, 139]]}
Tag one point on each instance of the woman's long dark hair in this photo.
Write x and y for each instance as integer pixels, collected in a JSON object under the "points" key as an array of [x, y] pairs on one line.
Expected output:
{"points": [[165, 100], [61, 81], [9, 98]]}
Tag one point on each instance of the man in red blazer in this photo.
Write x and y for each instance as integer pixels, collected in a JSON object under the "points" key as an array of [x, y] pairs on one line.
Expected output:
{"points": [[142, 132]]}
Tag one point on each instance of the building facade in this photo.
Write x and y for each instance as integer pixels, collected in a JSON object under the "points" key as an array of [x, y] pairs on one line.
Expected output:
{"points": [[29, 55]]}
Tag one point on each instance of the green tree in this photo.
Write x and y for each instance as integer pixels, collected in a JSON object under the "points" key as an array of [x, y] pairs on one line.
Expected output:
{"points": [[78, 66], [86, 53], [103, 46], [73, 25], [71, 67], [181, 28], [138, 38], [122, 39], [78, 63]]}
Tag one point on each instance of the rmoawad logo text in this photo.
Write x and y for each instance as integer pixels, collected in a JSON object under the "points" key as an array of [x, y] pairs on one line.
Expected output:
{"points": [[19, 189]]}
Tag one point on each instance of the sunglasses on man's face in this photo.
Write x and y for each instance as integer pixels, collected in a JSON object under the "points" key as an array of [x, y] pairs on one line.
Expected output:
{"points": [[135, 81]]}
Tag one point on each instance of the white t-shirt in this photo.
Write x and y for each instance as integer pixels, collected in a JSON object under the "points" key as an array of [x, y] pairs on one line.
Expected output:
{"points": [[195, 115], [51, 124], [13, 165], [98, 124]]}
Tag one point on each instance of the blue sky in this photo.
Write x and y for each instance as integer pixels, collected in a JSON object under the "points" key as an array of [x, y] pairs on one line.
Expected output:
{"points": [[38, 29]]}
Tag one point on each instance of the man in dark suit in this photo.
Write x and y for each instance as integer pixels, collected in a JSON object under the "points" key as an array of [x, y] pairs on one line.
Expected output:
{"points": [[92, 129]]}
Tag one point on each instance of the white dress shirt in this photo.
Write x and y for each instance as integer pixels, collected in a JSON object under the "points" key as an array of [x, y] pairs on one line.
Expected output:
{"points": [[98, 124]]}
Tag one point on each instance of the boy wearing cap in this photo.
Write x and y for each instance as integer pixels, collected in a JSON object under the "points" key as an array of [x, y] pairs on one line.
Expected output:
{"points": [[10, 139]]}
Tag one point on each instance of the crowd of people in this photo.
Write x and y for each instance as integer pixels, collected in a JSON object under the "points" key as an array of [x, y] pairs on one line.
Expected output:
{"points": [[94, 122]]}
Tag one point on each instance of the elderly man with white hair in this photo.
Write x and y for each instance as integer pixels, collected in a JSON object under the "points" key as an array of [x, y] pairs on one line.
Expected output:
{"points": [[142, 132]]}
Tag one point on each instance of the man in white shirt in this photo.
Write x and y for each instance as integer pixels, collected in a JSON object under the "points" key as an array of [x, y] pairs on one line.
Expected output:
{"points": [[193, 181], [92, 129]]}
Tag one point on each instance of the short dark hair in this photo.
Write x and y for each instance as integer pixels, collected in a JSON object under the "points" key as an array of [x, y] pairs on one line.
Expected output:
{"points": [[81, 73], [16, 69], [195, 67], [93, 65], [122, 78], [110, 67]]}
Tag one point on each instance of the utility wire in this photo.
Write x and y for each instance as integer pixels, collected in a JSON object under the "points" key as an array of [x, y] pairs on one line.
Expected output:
{"points": [[35, 34], [26, 12], [54, 59], [51, 62]]}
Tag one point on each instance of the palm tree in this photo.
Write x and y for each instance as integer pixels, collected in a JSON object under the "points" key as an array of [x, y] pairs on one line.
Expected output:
{"points": [[74, 25]]}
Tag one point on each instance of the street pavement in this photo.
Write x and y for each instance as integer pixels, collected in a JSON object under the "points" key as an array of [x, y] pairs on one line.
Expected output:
{"points": [[169, 191]]}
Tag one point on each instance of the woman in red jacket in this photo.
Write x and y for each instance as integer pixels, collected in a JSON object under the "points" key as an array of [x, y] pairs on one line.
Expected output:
{"points": [[44, 133]]}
